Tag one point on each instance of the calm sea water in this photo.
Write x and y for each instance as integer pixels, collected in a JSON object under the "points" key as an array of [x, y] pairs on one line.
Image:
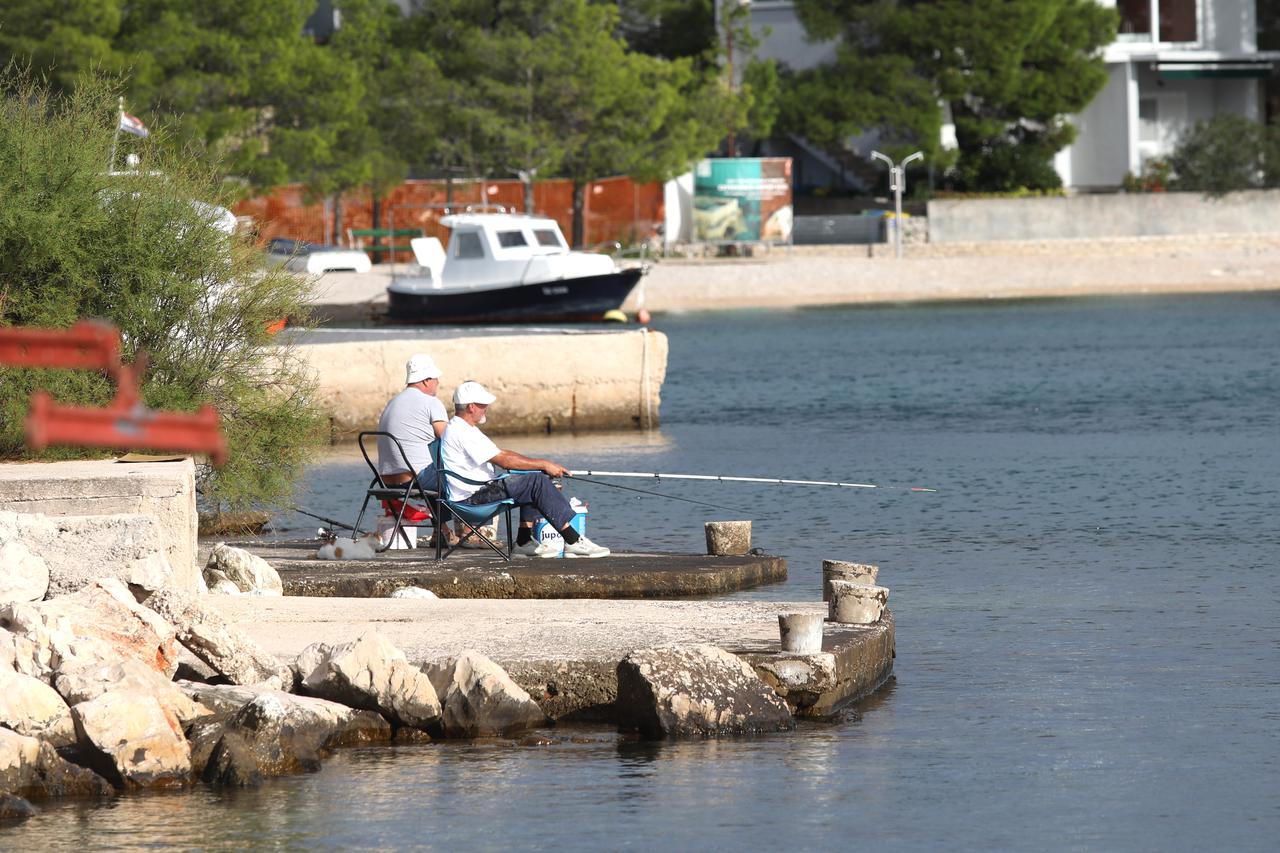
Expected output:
{"points": [[1088, 610]]}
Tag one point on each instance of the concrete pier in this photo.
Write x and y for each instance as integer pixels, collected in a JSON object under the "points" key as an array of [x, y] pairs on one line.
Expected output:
{"points": [[482, 574], [104, 487], [548, 380], [565, 653]]}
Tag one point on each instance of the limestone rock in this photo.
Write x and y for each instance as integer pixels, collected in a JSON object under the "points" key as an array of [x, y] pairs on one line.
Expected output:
{"points": [[88, 682], [276, 734], [372, 674], [99, 623], [247, 571], [25, 576], [695, 691], [209, 636], [132, 740], [217, 583], [191, 668], [203, 735], [31, 707], [306, 662], [15, 808], [31, 768], [344, 726], [479, 699]]}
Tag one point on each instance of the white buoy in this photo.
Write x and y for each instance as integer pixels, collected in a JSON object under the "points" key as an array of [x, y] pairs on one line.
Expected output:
{"points": [[839, 570], [857, 603], [728, 538], [800, 632]]}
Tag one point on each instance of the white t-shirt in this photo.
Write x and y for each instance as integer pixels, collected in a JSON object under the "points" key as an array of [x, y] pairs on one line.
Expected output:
{"points": [[466, 451], [409, 417]]}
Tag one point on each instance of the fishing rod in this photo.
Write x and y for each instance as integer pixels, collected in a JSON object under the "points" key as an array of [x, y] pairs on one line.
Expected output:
{"points": [[575, 476], [726, 479], [302, 511]]}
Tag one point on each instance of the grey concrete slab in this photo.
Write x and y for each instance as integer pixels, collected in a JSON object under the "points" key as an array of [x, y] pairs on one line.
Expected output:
{"points": [[565, 652], [482, 574]]}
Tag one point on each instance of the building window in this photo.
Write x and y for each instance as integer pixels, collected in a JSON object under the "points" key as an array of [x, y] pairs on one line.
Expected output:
{"points": [[1135, 19], [1178, 21], [468, 246]]}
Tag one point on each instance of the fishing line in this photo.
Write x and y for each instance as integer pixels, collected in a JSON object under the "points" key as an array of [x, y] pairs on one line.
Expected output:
{"points": [[302, 511], [727, 479], [576, 478]]}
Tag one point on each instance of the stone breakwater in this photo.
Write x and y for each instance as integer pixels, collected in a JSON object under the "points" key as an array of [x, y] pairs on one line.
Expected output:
{"points": [[118, 688]]}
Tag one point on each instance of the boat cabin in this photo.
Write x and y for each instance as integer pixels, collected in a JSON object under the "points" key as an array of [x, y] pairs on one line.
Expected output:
{"points": [[501, 250]]}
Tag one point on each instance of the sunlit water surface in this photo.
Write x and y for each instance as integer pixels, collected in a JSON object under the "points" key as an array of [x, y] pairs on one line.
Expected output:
{"points": [[1088, 613]]}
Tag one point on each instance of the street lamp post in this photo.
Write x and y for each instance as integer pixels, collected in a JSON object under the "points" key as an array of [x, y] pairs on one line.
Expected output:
{"points": [[898, 183]]}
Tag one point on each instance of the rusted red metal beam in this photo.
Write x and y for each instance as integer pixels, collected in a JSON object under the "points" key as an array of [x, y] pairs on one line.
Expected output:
{"points": [[124, 423], [88, 345]]}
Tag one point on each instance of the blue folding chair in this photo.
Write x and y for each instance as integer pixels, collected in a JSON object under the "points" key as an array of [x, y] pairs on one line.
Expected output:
{"points": [[471, 515], [401, 493]]}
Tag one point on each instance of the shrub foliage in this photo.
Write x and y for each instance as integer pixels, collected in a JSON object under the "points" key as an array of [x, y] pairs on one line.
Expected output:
{"points": [[140, 249]]}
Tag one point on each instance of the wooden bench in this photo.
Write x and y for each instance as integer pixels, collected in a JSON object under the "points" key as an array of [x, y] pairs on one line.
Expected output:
{"points": [[360, 234]]}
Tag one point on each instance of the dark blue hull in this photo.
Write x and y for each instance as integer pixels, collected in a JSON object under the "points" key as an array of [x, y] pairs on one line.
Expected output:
{"points": [[567, 300]]}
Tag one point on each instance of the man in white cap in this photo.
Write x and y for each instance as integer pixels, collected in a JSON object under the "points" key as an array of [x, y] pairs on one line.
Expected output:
{"points": [[416, 417], [468, 452]]}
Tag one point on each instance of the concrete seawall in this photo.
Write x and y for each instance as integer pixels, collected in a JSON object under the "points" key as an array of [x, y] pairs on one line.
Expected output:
{"points": [[546, 381], [1103, 216]]}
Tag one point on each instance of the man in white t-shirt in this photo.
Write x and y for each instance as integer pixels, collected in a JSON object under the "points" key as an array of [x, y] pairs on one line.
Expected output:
{"points": [[468, 452], [416, 417]]}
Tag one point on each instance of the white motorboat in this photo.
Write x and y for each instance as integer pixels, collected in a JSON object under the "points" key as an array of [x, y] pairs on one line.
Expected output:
{"points": [[503, 267]]}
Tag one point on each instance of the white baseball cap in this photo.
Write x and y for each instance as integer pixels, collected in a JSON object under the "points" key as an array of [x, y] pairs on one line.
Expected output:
{"points": [[420, 367], [472, 392]]}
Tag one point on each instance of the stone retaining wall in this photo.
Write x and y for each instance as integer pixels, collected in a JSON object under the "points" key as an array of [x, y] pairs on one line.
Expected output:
{"points": [[1102, 216], [544, 382], [165, 490]]}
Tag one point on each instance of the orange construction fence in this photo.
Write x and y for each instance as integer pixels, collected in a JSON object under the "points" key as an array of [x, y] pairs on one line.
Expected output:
{"points": [[616, 209]]}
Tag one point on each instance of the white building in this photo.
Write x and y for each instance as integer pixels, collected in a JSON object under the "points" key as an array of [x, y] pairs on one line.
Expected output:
{"points": [[1174, 62]]}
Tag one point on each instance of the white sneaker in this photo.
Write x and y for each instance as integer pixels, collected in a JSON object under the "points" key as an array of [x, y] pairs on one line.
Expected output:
{"points": [[534, 548], [584, 547]]}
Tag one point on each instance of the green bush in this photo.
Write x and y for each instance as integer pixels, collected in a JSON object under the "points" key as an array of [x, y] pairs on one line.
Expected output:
{"points": [[1225, 154], [77, 242]]}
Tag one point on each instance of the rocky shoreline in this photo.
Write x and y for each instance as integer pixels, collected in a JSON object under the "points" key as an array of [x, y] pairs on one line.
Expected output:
{"points": [[123, 686]]}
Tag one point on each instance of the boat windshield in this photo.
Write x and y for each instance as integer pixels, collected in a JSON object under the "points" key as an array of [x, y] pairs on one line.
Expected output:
{"points": [[547, 237], [467, 245], [511, 239]]}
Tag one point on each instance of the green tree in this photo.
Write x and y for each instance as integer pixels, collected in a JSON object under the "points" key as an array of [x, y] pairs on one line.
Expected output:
{"points": [[549, 86], [62, 40], [137, 250], [1010, 73]]}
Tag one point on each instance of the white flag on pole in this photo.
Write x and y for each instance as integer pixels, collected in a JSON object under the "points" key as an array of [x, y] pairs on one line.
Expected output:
{"points": [[133, 124]]}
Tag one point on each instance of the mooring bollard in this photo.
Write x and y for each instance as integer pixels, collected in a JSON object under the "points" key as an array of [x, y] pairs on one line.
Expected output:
{"points": [[800, 632], [838, 570], [728, 538], [857, 603]]}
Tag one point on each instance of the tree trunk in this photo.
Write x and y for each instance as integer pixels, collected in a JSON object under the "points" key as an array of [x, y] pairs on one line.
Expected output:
{"points": [[579, 212], [528, 195], [337, 220]]}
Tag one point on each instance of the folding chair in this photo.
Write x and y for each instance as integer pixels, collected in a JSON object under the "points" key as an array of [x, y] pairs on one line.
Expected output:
{"points": [[397, 497], [471, 515]]}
